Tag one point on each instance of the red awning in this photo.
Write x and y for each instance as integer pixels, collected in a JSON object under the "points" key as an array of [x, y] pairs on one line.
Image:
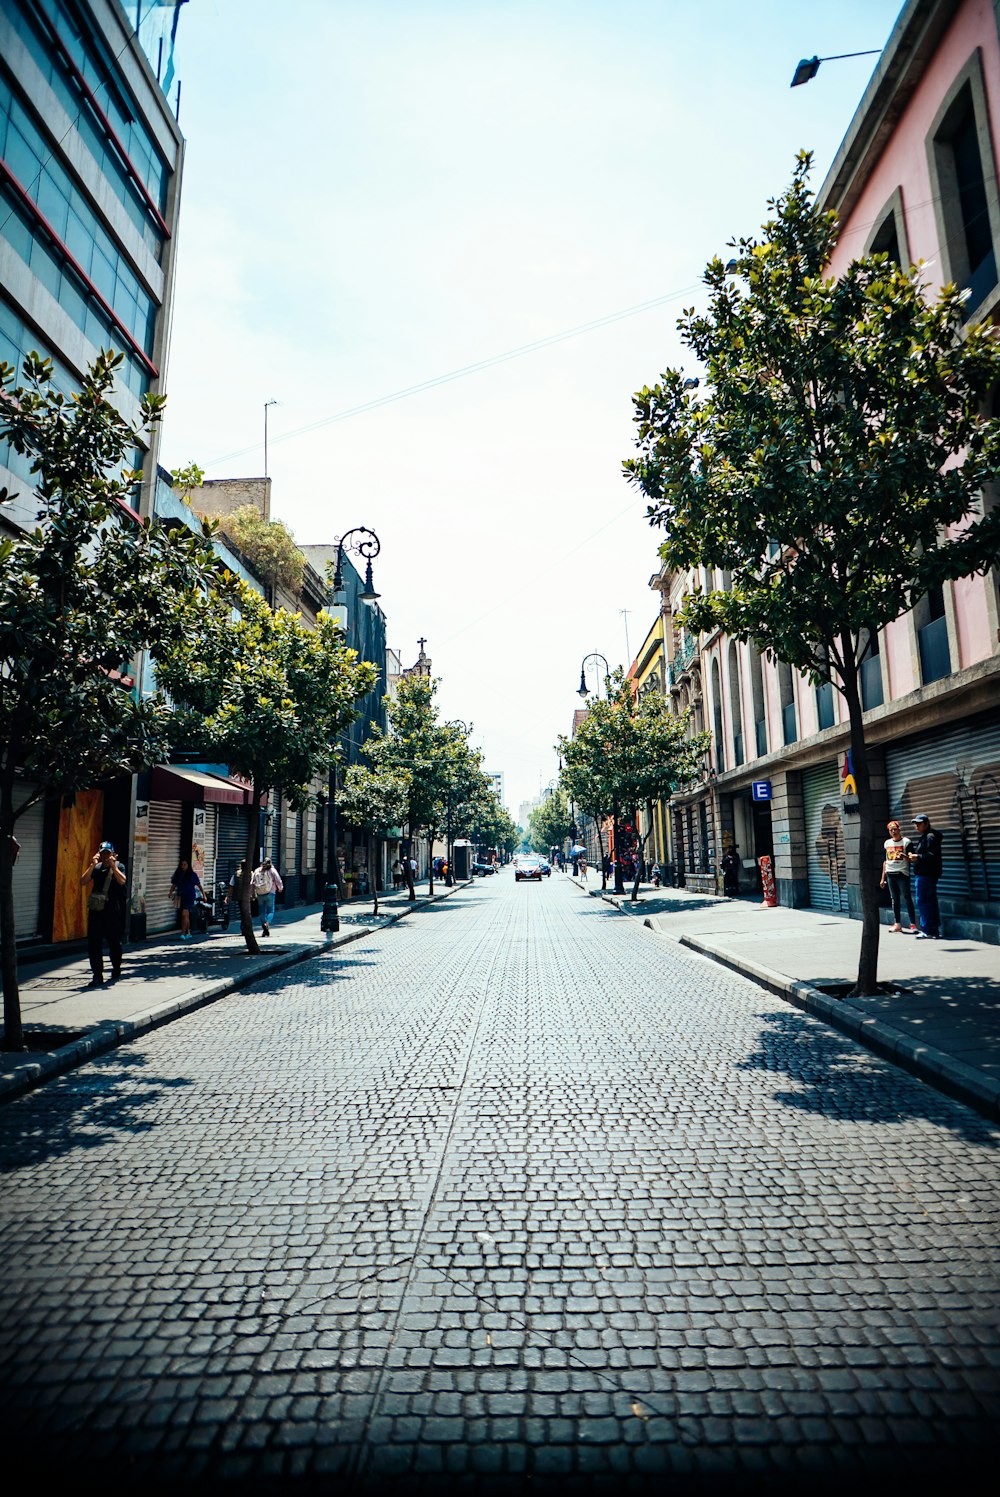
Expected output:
{"points": [[178, 782]]}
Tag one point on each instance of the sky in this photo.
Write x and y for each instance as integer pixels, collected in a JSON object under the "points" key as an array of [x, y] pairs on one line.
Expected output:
{"points": [[494, 211]]}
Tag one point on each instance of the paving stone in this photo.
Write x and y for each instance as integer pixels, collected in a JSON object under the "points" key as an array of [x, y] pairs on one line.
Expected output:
{"points": [[509, 1189]]}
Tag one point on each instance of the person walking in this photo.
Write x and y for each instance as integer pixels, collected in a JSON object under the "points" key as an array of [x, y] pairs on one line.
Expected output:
{"points": [[925, 855], [731, 871], [185, 887], [235, 892], [265, 884], [896, 875], [105, 912], [397, 875]]}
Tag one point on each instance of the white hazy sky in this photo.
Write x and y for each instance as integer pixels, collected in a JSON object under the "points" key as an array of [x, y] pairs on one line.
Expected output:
{"points": [[378, 193]]}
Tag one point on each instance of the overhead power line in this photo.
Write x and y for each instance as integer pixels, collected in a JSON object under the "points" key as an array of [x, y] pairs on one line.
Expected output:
{"points": [[466, 369]]}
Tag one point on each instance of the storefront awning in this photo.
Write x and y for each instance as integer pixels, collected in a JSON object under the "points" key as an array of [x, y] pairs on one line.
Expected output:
{"points": [[178, 782]]}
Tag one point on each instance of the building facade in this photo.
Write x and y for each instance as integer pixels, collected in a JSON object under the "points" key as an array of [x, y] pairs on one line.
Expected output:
{"points": [[916, 177], [90, 172]]}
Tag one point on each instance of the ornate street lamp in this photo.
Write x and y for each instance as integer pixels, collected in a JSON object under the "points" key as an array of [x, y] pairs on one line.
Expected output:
{"points": [[369, 547], [594, 655]]}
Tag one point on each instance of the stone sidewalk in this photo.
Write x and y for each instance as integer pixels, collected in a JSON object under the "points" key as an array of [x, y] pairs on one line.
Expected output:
{"points": [[66, 1022], [941, 1022]]}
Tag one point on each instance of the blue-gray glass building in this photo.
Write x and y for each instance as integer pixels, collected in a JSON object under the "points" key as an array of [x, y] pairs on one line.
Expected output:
{"points": [[90, 171]]}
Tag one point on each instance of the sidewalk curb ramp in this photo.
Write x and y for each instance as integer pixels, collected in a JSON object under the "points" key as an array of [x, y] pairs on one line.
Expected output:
{"points": [[27, 1075], [929, 1064]]}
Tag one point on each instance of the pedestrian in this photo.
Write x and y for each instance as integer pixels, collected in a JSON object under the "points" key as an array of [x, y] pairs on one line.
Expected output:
{"points": [[265, 883], [925, 856], [235, 891], [397, 874], [731, 871], [105, 912], [896, 874], [185, 886]]}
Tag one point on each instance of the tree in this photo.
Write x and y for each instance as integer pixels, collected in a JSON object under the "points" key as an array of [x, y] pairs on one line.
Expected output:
{"points": [[633, 751], [550, 823], [268, 545], [265, 694], [81, 595], [417, 744], [834, 467], [375, 799]]}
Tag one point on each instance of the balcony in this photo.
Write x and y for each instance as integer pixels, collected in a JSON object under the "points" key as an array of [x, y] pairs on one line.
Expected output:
{"points": [[760, 733], [871, 682], [824, 706]]}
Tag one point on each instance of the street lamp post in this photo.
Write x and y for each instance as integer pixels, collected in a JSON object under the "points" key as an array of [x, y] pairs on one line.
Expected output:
{"points": [[583, 692], [368, 546]]}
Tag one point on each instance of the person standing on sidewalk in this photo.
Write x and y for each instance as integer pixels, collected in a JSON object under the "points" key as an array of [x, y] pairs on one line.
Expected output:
{"points": [[185, 887], [265, 884], [925, 855], [896, 874], [105, 912]]}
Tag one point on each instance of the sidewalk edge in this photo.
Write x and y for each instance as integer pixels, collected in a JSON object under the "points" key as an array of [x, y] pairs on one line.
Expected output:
{"points": [[933, 1066], [114, 1032]]}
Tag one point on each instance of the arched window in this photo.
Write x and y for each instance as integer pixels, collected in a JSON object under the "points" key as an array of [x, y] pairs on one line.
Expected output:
{"points": [[719, 744], [757, 698], [735, 705], [786, 696]]}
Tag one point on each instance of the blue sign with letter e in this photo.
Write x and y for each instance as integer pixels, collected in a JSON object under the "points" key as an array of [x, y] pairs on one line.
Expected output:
{"points": [[760, 789]]}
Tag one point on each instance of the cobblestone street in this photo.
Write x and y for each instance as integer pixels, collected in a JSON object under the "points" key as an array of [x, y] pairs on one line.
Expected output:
{"points": [[510, 1189]]}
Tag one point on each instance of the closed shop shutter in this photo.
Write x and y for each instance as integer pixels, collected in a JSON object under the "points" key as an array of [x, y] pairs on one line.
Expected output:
{"points": [[164, 850], [825, 851], [953, 776], [230, 841], [28, 868]]}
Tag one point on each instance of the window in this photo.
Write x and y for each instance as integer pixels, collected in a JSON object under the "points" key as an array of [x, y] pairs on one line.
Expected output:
{"points": [[824, 705], [932, 636], [967, 208], [871, 675], [757, 695], [735, 705], [719, 742], [888, 237], [786, 696]]}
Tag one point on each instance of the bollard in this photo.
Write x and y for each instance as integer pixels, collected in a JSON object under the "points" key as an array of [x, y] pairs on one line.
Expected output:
{"points": [[330, 921]]}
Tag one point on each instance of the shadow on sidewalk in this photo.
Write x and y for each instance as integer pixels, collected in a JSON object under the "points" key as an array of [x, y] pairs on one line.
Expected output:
{"points": [[835, 1078], [83, 1110]]}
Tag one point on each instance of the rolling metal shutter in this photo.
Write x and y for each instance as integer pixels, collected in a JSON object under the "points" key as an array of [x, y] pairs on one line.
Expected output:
{"points": [[231, 841], [953, 776], [164, 850], [825, 852], [28, 868]]}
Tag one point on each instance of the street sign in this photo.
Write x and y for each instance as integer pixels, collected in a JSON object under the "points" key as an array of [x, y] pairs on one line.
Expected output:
{"points": [[760, 789]]}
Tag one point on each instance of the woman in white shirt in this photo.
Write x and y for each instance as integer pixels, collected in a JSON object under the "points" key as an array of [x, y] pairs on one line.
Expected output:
{"points": [[896, 874]]}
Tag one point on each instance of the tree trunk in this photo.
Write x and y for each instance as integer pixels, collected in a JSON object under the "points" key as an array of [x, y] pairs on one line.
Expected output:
{"points": [[407, 870], [619, 879], [430, 861], [600, 848], [869, 862], [371, 870], [13, 1032], [640, 859], [249, 864]]}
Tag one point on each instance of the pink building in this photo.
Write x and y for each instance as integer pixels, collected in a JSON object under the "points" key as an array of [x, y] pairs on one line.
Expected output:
{"points": [[915, 177]]}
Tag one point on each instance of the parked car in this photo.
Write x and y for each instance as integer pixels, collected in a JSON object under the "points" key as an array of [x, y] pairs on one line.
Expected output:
{"points": [[527, 868], [481, 870], [546, 868]]}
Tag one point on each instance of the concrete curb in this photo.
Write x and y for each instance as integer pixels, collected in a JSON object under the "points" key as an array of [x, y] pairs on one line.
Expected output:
{"points": [[30, 1074], [935, 1067]]}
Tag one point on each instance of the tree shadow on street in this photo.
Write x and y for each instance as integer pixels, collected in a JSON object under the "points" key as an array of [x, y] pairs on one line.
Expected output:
{"points": [[84, 1110], [835, 1077]]}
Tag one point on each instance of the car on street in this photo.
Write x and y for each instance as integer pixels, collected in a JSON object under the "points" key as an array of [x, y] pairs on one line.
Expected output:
{"points": [[527, 867], [482, 870]]}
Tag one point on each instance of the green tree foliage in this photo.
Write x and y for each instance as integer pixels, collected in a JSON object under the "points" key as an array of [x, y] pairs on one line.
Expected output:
{"points": [[81, 594], [186, 480], [629, 752], [268, 545], [550, 823], [834, 467], [264, 693], [375, 800]]}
